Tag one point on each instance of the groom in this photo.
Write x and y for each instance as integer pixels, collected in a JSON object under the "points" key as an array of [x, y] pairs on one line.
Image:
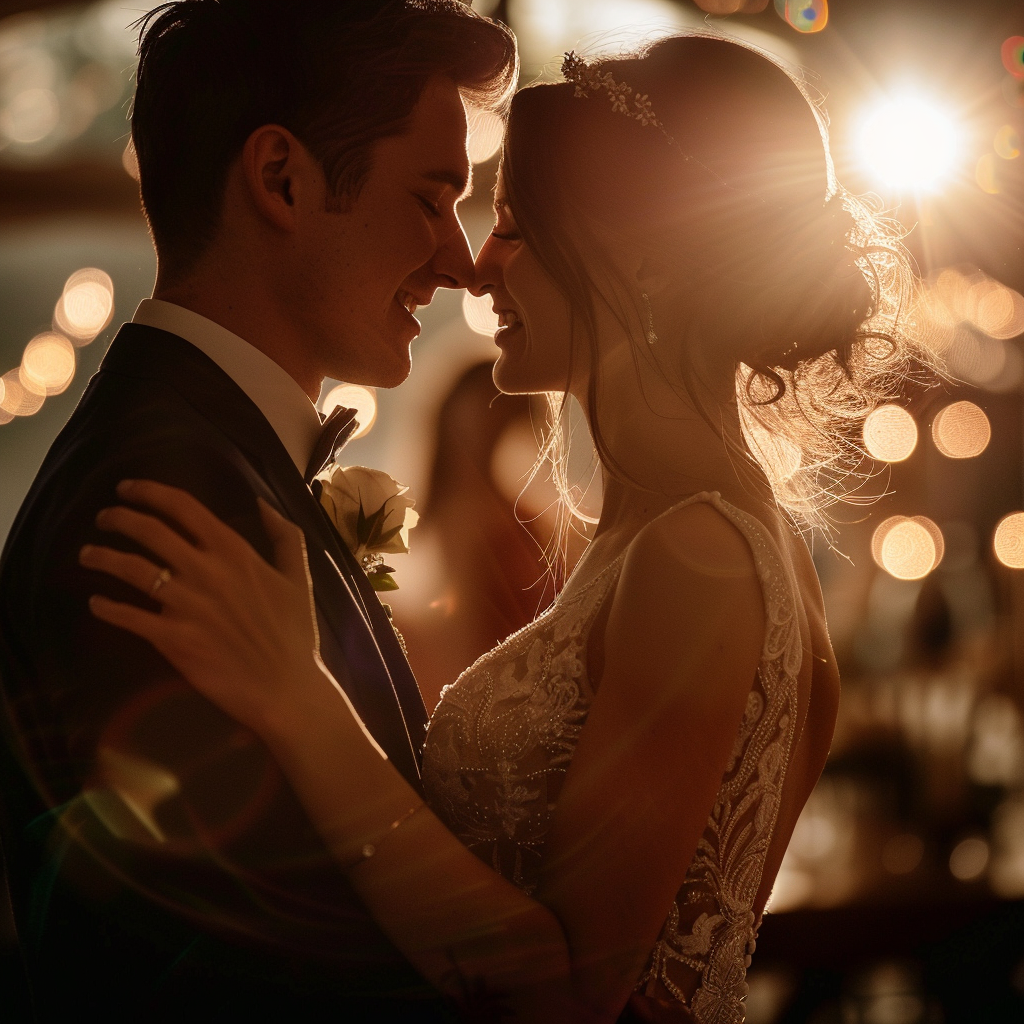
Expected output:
{"points": [[301, 164]]}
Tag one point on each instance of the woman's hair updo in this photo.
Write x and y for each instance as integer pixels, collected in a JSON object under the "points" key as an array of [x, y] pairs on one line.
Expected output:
{"points": [[804, 287]]}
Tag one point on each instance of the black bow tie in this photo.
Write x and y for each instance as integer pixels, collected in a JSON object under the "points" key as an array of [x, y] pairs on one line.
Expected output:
{"points": [[334, 435]]}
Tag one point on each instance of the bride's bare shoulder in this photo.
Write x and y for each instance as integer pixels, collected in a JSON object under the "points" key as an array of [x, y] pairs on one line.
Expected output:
{"points": [[691, 570], [697, 538]]}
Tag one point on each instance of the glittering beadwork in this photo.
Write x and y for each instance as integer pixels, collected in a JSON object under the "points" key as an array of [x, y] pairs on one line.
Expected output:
{"points": [[437, 6], [589, 81], [503, 734]]}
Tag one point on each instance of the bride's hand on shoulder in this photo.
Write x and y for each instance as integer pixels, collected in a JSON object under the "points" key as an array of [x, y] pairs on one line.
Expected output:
{"points": [[238, 629]]}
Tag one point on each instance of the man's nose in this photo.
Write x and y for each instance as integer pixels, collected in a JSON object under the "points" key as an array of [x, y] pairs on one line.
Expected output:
{"points": [[454, 261]]}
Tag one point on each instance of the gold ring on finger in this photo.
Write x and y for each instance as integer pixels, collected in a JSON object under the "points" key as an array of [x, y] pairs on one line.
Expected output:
{"points": [[162, 577]]}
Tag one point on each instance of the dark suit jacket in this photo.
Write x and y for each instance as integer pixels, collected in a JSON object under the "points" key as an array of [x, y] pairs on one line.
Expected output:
{"points": [[193, 884]]}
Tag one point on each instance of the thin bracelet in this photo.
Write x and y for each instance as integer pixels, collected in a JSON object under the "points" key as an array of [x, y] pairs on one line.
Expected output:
{"points": [[369, 849]]}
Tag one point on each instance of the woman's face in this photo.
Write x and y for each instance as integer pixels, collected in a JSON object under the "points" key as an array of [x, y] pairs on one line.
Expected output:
{"points": [[534, 336]]}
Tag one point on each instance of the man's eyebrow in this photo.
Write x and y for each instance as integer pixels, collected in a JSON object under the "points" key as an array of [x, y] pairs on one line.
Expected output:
{"points": [[462, 183]]}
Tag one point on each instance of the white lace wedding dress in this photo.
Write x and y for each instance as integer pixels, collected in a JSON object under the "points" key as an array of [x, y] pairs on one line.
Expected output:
{"points": [[504, 732]]}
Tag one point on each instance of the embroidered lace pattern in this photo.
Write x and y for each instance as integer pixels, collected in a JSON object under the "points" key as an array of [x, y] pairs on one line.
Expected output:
{"points": [[503, 734]]}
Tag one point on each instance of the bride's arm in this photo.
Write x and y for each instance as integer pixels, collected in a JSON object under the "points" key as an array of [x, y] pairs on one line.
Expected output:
{"points": [[633, 806]]}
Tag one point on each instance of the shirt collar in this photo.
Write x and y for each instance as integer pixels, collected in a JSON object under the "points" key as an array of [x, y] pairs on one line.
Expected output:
{"points": [[273, 390]]}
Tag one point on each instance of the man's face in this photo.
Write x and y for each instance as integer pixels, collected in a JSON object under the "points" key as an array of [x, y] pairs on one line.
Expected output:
{"points": [[367, 267]]}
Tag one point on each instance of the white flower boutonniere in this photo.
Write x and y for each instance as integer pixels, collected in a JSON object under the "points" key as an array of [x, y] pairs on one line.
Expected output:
{"points": [[373, 513]]}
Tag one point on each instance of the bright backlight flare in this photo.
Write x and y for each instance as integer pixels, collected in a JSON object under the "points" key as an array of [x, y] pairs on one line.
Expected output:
{"points": [[909, 144], [479, 314], [354, 396]]}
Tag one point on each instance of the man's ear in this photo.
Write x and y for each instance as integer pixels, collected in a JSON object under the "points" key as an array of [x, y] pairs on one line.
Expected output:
{"points": [[275, 165]]}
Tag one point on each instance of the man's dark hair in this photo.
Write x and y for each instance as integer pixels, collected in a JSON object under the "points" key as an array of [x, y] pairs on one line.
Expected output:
{"points": [[339, 74]]}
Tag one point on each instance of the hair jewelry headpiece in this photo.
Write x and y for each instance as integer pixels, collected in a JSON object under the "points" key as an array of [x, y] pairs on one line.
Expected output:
{"points": [[588, 81], [437, 6]]}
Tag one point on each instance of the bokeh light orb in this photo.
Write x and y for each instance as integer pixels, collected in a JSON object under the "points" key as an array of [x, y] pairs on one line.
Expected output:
{"points": [[804, 15], [86, 306], [1007, 143], [890, 434], [354, 396], [909, 143], [961, 430], [479, 313], [936, 535], [969, 858], [1008, 540], [48, 364], [19, 400], [1012, 52], [29, 116], [905, 548]]}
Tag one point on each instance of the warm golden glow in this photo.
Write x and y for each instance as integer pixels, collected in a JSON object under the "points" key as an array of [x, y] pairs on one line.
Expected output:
{"points": [[879, 535], [29, 116], [1007, 143], [985, 174], [991, 306], [1008, 541], [354, 396], [485, 133], [48, 365], [129, 161], [19, 400], [479, 313], [936, 535], [996, 309], [961, 430], [906, 548], [890, 434], [86, 306]]}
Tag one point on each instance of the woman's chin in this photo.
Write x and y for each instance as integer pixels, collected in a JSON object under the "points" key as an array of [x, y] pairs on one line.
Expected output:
{"points": [[513, 376]]}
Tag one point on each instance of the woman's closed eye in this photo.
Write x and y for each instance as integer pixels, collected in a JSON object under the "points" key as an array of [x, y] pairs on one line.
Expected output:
{"points": [[505, 228]]}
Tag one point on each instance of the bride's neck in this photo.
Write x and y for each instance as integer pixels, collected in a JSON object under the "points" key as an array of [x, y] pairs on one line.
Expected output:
{"points": [[662, 444]]}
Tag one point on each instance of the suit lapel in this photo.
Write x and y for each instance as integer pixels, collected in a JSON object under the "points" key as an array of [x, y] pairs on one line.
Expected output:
{"points": [[371, 667]]}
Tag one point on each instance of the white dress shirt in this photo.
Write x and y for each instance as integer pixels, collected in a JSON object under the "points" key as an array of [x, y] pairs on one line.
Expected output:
{"points": [[274, 391]]}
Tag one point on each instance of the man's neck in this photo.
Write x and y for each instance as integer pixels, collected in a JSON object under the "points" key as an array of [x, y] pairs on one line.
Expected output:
{"points": [[263, 328]]}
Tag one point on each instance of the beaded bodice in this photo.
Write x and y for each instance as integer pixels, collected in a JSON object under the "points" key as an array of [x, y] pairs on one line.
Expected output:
{"points": [[502, 736]]}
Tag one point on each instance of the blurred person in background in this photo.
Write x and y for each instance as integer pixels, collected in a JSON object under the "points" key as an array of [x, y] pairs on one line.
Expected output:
{"points": [[301, 164], [611, 790], [476, 570]]}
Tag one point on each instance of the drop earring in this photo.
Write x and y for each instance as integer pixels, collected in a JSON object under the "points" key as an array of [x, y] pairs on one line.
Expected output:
{"points": [[652, 337]]}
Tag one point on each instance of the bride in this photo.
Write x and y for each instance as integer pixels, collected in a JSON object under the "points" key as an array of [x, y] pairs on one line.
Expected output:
{"points": [[610, 791]]}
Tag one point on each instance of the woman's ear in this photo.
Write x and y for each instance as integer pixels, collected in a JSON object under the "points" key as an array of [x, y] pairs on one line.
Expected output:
{"points": [[276, 168], [652, 277]]}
